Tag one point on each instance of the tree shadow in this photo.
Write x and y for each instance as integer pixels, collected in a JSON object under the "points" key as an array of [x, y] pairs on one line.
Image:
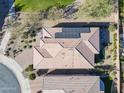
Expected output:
{"points": [[82, 24], [70, 72], [18, 7], [41, 72], [104, 42], [106, 67]]}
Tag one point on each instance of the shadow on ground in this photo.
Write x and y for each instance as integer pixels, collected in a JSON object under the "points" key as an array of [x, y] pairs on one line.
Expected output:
{"points": [[83, 24]]}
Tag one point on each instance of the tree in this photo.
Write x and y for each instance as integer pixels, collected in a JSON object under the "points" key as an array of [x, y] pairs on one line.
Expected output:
{"points": [[98, 8]]}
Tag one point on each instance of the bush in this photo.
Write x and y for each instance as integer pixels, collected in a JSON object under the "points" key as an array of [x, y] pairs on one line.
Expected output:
{"points": [[30, 46], [112, 27], [11, 42], [9, 49], [32, 76], [22, 40], [20, 50], [25, 46], [98, 8], [55, 13], [25, 35], [122, 58], [14, 51], [34, 40], [30, 41], [29, 68]]}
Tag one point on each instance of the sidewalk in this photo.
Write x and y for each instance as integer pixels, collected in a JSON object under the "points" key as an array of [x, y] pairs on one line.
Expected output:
{"points": [[5, 42]]}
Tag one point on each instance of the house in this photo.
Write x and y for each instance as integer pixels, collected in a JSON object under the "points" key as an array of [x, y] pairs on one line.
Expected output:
{"points": [[67, 48], [72, 84]]}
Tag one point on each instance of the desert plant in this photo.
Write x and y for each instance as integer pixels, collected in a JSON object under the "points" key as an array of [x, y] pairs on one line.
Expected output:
{"points": [[29, 68], [98, 8], [112, 27], [32, 76]]}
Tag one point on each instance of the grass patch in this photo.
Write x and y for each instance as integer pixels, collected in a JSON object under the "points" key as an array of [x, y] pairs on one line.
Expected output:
{"points": [[108, 83], [40, 5]]}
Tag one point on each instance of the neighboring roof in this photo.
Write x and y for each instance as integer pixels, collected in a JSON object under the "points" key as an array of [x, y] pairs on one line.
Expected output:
{"points": [[71, 84], [67, 53]]}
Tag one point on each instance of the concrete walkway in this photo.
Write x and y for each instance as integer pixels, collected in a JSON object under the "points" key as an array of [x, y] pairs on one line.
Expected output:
{"points": [[17, 70], [5, 42]]}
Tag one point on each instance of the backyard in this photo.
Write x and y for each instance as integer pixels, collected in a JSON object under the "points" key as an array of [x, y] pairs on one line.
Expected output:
{"points": [[40, 5]]}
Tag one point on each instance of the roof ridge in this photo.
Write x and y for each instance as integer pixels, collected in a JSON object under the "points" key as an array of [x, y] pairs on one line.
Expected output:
{"points": [[91, 45], [93, 85], [84, 56], [47, 32], [40, 54], [90, 38]]}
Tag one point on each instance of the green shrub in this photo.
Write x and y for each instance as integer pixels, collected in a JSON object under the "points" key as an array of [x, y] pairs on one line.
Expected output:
{"points": [[98, 8], [22, 40], [25, 35], [30, 46], [112, 27], [122, 58], [34, 40], [14, 51], [11, 42], [30, 41], [9, 49], [114, 46], [32, 76], [25, 46], [29, 68], [20, 50]]}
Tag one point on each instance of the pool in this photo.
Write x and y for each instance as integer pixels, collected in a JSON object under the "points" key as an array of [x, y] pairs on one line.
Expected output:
{"points": [[8, 81]]}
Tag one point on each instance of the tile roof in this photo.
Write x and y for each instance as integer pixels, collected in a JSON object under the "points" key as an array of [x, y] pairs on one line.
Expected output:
{"points": [[86, 52], [71, 84], [67, 53], [94, 39]]}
